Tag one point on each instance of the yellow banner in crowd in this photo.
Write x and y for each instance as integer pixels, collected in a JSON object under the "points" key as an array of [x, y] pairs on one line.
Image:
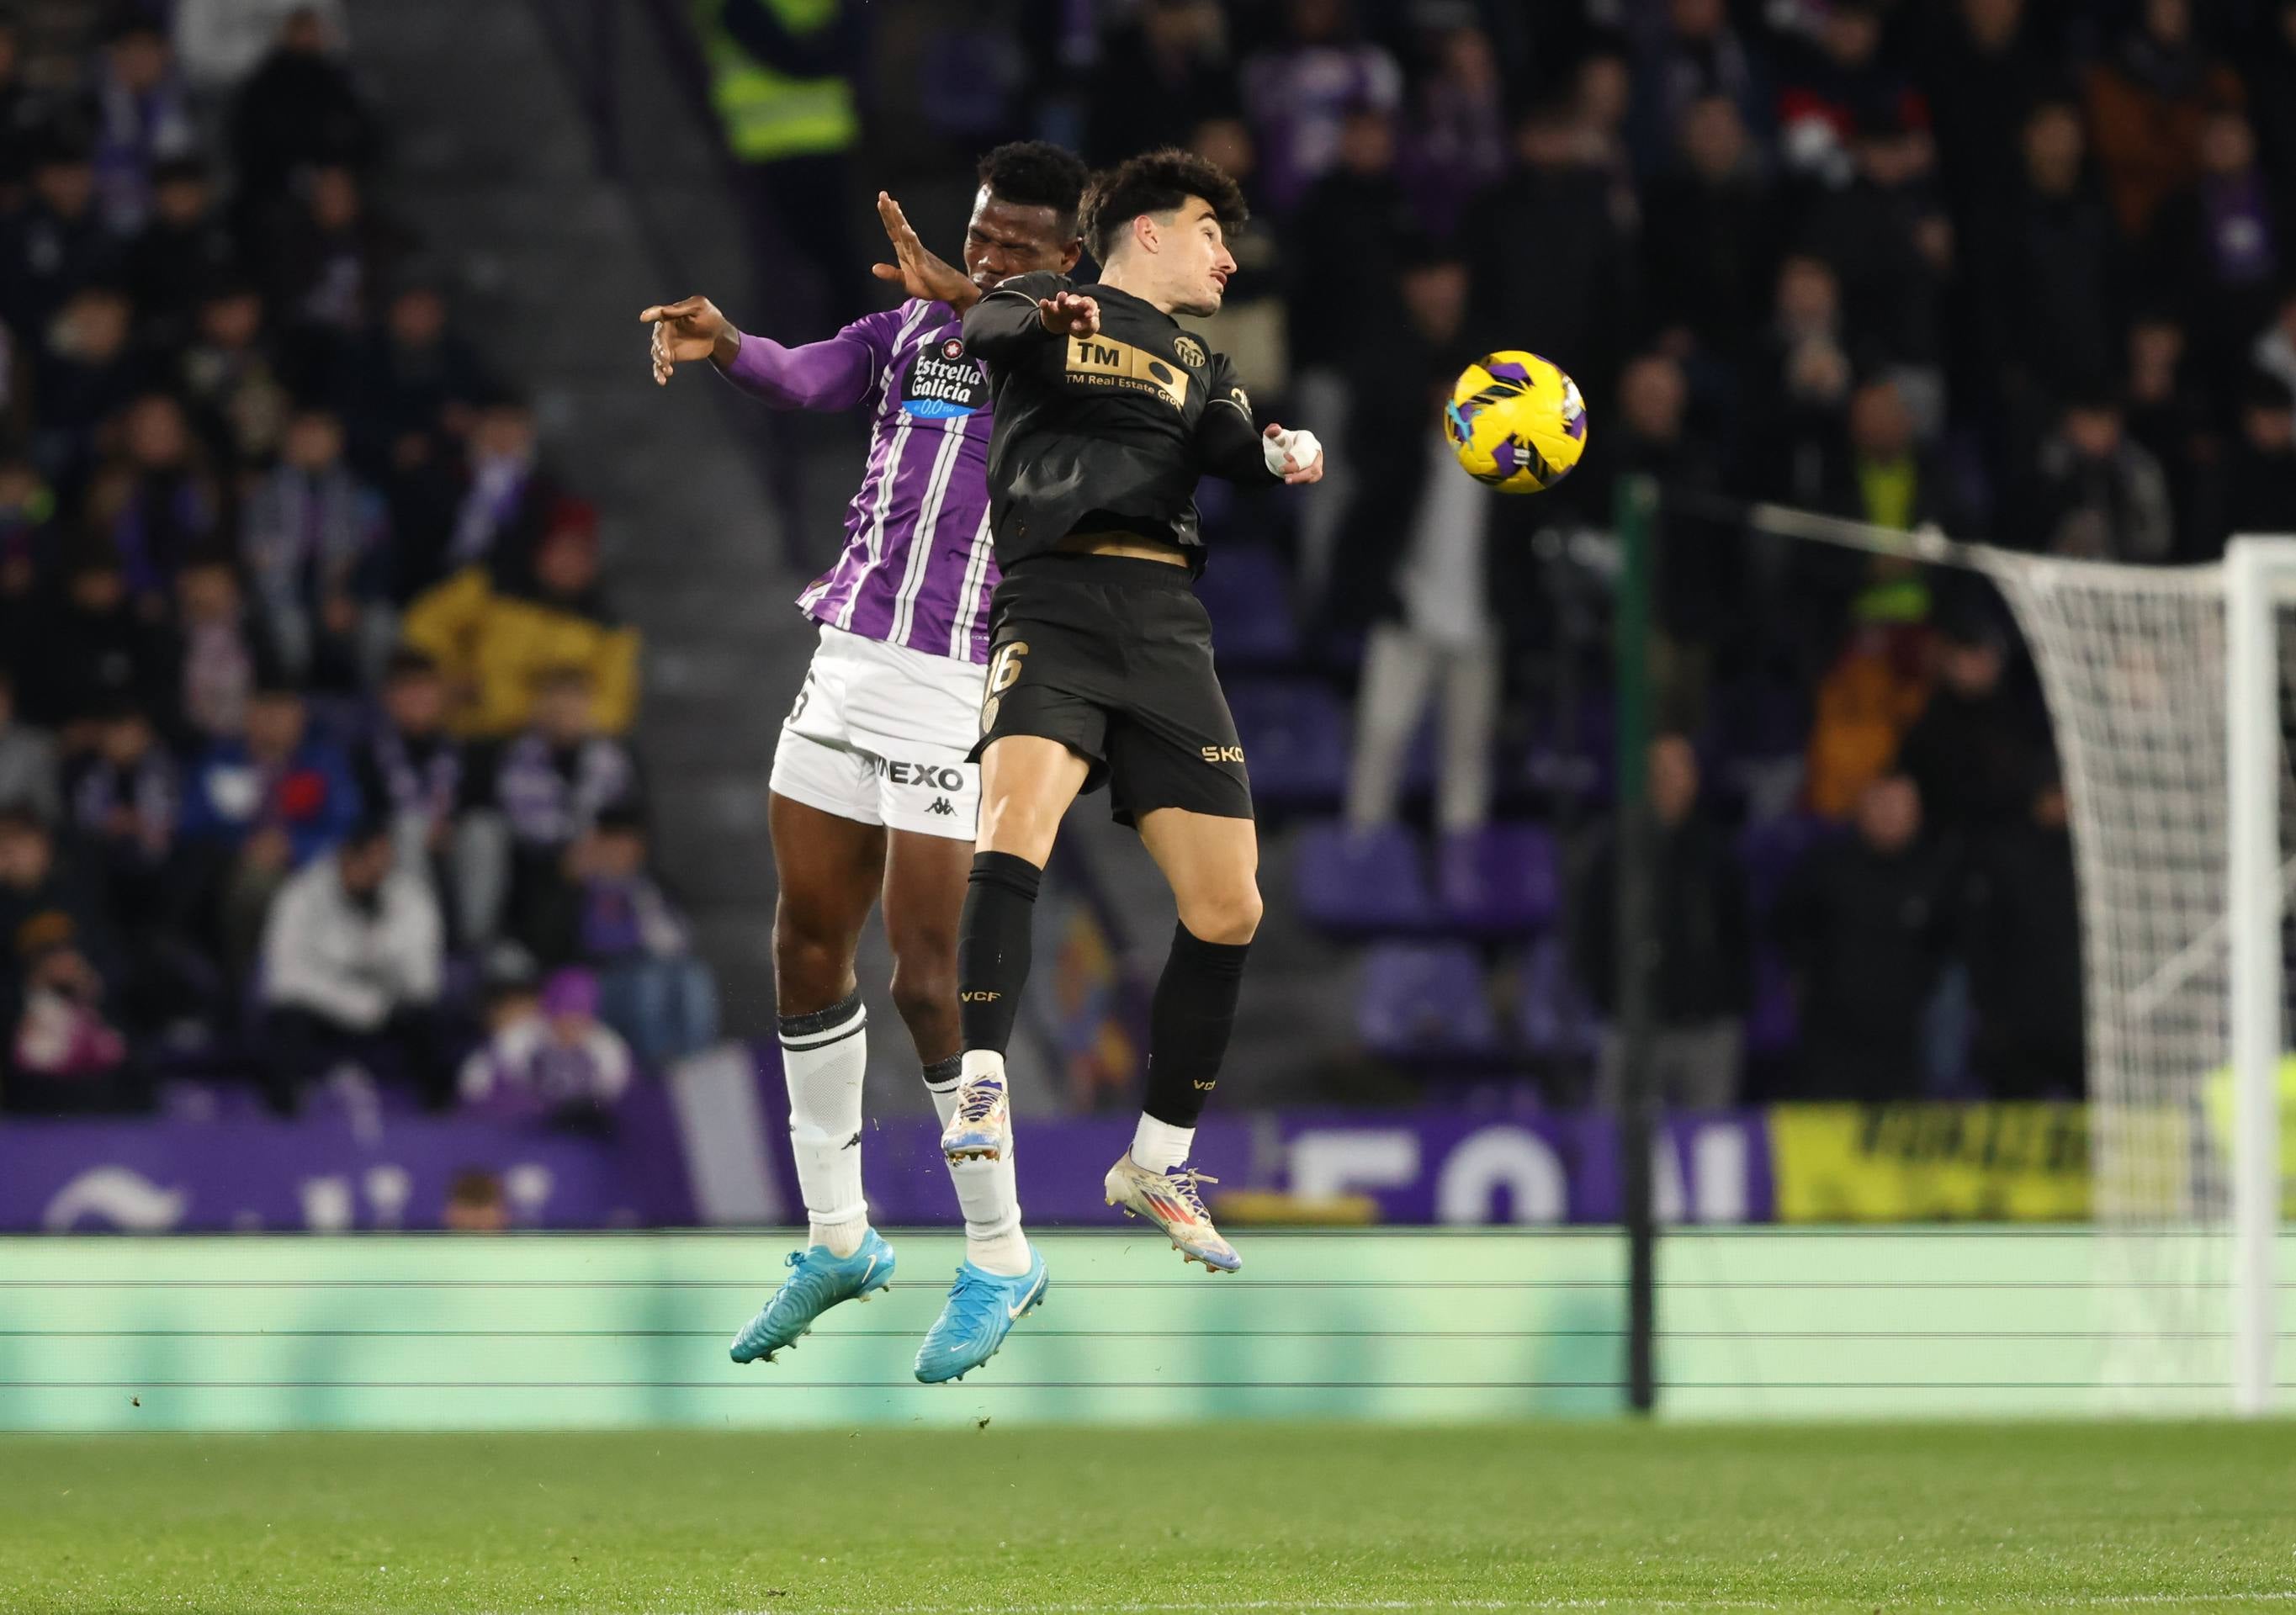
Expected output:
{"points": [[1846, 1163]]}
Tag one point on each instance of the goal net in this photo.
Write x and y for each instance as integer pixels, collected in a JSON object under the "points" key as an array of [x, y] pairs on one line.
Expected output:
{"points": [[2169, 691]]}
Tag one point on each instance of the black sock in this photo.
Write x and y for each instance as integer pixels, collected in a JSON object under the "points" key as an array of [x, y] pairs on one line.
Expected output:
{"points": [[941, 1075], [992, 947], [1188, 1025]]}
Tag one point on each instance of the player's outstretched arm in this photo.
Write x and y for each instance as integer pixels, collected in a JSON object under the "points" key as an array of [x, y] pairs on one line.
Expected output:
{"points": [[834, 374], [921, 271], [1013, 321]]}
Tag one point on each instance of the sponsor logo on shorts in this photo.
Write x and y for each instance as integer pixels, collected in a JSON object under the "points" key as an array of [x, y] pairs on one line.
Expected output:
{"points": [[1223, 754], [934, 776]]}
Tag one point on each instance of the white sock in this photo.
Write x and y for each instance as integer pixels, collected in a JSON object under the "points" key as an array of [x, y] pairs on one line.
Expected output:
{"points": [[987, 1190], [823, 1057], [1158, 1145]]}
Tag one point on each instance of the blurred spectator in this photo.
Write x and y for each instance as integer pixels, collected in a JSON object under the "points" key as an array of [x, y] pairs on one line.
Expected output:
{"points": [[226, 653], [1892, 482], [257, 808], [1702, 983], [2220, 247], [184, 251], [610, 913], [56, 244], [1838, 86], [84, 375], [1971, 751], [1890, 244], [546, 1054], [232, 381], [1697, 561], [2273, 351], [2171, 418], [143, 119], [56, 965], [29, 777], [172, 507], [2021, 937], [316, 542], [2051, 280], [1797, 387], [1711, 239], [2148, 100], [93, 644], [1160, 76], [475, 1203], [1455, 141], [127, 803], [1865, 924], [2095, 494], [1251, 326], [413, 377], [1545, 253], [328, 253], [419, 775], [28, 554], [509, 498], [1871, 694], [552, 782], [297, 111], [2269, 65], [493, 636], [1299, 94], [353, 954], [1693, 54], [1987, 65], [1351, 231], [22, 108], [2260, 473]]}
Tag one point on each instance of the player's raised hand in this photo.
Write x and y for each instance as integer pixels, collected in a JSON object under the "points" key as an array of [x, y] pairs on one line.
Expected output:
{"points": [[1296, 456], [921, 271], [1071, 314], [685, 332]]}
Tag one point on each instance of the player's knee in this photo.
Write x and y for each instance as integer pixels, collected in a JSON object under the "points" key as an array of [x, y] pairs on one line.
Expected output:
{"points": [[1228, 917], [924, 980], [813, 966], [1014, 825]]}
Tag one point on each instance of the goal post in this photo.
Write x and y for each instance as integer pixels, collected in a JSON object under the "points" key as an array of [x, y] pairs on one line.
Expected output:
{"points": [[2172, 695], [2259, 574]]}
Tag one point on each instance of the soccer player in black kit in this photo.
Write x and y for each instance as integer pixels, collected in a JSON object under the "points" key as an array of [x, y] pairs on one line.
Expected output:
{"points": [[1100, 671]]}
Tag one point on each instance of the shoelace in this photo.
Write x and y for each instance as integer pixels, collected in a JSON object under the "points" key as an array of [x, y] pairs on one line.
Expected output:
{"points": [[1184, 1181], [975, 1100], [974, 1299], [803, 1279]]}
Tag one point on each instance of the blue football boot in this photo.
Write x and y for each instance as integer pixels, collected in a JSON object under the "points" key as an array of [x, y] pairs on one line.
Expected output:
{"points": [[817, 1281], [982, 1308]]}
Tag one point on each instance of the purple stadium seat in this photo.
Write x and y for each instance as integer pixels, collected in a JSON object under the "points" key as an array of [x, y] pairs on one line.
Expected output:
{"points": [[1426, 1004], [1247, 591], [1557, 1019], [1496, 879], [1295, 741], [1362, 884]]}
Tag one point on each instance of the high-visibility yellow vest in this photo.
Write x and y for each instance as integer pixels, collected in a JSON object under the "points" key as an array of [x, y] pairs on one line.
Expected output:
{"points": [[766, 114]]}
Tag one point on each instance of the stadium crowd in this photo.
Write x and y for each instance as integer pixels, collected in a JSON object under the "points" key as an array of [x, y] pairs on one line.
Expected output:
{"points": [[2025, 269], [314, 721]]}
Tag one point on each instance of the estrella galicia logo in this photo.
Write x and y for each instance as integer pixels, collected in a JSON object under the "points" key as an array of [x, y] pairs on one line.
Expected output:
{"points": [[944, 384]]}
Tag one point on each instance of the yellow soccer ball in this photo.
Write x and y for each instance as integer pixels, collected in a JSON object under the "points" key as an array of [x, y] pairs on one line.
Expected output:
{"points": [[1516, 423]]}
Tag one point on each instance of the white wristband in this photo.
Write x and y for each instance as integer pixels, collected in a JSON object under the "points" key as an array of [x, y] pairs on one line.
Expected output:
{"points": [[1290, 451]]}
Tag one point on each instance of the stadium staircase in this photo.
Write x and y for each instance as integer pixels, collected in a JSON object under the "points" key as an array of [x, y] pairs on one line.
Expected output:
{"points": [[495, 162]]}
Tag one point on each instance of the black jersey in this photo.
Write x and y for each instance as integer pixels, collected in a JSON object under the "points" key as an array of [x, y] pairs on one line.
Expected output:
{"points": [[1110, 431]]}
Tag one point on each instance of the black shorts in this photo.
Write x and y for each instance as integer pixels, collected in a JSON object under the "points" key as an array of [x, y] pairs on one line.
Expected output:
{"points": [[1112, 657]]}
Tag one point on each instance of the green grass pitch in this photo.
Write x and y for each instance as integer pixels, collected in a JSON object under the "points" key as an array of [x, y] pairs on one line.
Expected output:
{"points": [[1274, 1518]]}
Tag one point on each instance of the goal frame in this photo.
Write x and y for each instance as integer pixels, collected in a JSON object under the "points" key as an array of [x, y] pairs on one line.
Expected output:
{"points": [[2260, 575]]}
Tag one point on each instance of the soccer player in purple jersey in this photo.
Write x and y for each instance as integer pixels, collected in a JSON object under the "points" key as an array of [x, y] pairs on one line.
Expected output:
{"points": [[871, 791]]}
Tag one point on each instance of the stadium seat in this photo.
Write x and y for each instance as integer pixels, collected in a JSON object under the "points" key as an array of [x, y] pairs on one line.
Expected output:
{"points": [[1557, 1021], [1496, 881], [1295, 741], [1362, 884], [1426, 1003], [1247, 591]]}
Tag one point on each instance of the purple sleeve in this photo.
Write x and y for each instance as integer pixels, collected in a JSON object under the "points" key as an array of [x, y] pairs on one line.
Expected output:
{"points": [[834, 374]]}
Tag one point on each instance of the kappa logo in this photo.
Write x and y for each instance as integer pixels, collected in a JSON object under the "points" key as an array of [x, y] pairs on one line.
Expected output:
{"points": [[1188, 351], [941, 805]]}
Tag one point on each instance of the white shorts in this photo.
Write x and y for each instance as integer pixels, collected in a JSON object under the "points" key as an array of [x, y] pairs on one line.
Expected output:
{"points": [[878, 735]]}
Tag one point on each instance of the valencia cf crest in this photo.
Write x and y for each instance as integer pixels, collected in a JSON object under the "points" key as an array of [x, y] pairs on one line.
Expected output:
{"points": [[1188, 351]]}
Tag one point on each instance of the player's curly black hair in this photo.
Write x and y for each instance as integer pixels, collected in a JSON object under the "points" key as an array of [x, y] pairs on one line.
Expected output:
{"points": [[1156, 182], [1037, 174]]}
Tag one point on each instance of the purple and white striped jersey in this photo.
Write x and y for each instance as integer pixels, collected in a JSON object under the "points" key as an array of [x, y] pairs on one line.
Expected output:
{"points": [[917, 566]]}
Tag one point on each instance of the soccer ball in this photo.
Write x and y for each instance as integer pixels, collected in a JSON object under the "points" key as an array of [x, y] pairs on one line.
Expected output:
{"points": [[1516, 422]]}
